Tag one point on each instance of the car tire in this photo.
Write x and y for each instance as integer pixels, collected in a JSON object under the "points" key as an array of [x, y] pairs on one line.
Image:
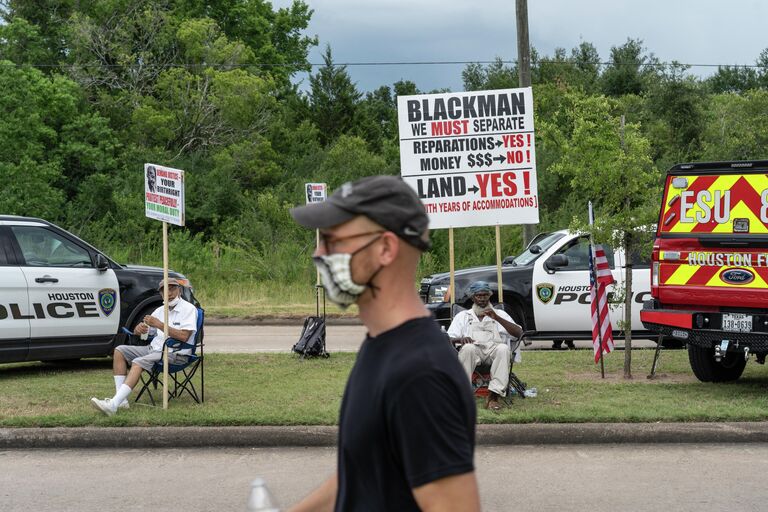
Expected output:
{"points": [[516, 312], [707, 369]]}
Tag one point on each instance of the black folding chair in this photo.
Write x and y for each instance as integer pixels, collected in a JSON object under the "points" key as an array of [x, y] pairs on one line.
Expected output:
{"points": [[180, 374]]}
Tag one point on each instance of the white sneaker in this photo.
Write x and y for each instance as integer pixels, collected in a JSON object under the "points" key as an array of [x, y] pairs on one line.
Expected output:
{"points": [[124, 405], [104, 406]]}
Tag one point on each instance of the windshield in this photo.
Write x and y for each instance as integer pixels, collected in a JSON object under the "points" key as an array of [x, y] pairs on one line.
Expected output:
{"points": [[526, 257]]}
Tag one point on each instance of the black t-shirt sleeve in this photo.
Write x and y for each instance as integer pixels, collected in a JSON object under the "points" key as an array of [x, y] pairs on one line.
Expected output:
{"points": [[432, 429]]}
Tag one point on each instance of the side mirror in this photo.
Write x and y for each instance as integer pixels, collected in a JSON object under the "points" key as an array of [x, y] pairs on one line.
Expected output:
{"points": [[101, 262], [555, 261], [535, 249], [509, 260]]}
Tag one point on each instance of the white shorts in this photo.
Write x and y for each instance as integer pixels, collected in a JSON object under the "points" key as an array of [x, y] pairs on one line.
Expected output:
{"points": [[145, 357]]}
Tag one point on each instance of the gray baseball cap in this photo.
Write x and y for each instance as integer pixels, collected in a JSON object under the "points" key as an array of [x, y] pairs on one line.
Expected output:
{"points": [[386, 200]]}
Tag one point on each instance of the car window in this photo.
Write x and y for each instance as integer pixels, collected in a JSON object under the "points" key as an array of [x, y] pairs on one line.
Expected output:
{"points": [[44, 248], [640, 259], [577, 251], [544, 243], [5, 249]]}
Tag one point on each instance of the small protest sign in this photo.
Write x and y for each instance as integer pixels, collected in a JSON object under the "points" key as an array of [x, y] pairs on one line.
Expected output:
{"points": [[164, 194], [316, 192]]}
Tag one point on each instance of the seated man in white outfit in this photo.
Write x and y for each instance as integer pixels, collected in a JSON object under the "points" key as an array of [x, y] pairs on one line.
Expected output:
{"points": [[484, 333], [182, 326]]}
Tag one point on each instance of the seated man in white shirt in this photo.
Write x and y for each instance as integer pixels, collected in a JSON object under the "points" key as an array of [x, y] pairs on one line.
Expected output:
{"points": [[484, 333], [182, 320]]}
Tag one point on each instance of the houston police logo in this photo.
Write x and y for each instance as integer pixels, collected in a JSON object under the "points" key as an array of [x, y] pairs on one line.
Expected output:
{"points": [[545, 292], [107, 300]]}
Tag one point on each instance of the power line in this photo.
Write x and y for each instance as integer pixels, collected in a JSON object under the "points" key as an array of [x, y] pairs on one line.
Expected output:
{"points": [[379, 63]]}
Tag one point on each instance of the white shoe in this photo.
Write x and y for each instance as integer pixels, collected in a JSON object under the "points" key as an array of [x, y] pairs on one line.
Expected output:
{"points": [[124, 405], [104, 406]]}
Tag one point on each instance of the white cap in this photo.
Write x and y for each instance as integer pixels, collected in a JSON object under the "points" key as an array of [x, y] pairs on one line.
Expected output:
{"points": [[258, 482]]}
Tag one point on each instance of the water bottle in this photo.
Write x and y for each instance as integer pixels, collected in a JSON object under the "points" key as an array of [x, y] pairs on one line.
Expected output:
{"points": [[531, 393], [260, 499], [145, 336]]}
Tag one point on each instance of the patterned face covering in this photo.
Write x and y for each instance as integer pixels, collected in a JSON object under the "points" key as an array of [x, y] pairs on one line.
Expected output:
{"points": [[336, 275]]}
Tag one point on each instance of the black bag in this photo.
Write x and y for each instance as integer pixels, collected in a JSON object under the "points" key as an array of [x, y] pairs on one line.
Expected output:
{"points": [[312, 340]]}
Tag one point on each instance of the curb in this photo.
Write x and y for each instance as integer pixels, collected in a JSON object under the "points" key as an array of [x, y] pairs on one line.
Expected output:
{"points": [[315, 436]]}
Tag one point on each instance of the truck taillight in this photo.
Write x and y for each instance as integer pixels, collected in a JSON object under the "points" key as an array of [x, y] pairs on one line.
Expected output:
{"points": [[655, 273]]}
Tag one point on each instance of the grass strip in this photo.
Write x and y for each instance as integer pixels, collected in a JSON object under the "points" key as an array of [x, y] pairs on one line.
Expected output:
{"points": [[279, 389]]}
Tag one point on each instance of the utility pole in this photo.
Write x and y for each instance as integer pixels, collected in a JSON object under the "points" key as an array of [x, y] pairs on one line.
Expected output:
{"points": [[524, 77]]}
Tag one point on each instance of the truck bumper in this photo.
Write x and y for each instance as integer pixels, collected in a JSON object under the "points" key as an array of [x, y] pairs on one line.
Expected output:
{"points": [[703, 328]]}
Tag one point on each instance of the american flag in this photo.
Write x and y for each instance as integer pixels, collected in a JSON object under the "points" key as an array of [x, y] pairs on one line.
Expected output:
{"points": [[598, 266]]}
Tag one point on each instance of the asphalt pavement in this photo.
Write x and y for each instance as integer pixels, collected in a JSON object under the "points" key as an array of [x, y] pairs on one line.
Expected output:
{"points": [[346, 337], [597, 478]]}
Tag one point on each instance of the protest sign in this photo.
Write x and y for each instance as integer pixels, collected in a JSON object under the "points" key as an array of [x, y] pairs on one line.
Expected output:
{"points": [[164, 194], [316, 192], [471, 156]]}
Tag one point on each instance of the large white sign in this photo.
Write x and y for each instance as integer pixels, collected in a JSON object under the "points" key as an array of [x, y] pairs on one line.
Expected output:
{"points": [[164, 194], [471, 156], [316, 192]]}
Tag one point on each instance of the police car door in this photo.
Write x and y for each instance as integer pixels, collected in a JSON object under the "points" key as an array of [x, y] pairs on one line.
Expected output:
{"points": [[561, 300], [14, 332], [74, 307]]}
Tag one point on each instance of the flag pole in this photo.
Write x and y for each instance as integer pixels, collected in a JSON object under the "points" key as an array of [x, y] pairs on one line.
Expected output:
{"points": [[595, 286]]}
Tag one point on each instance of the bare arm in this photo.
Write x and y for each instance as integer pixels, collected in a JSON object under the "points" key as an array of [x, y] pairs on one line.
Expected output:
{"points": [[177, 334], [454, 493], [321, 499], [511, 327]]}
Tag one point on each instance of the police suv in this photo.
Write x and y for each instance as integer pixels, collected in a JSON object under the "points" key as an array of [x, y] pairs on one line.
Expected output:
{"points": [[61, 298], [546, 287]]}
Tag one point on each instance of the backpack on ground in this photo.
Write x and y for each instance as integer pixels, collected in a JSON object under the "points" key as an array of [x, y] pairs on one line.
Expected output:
{"points": [[312, 340]]}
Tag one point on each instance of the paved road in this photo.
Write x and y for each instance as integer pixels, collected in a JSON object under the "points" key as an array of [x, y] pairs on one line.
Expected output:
{"points": [[339, 338], [598, 478]]}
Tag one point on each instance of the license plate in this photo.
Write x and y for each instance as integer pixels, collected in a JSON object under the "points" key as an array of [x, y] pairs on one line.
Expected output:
{"points": [[737, 322]]}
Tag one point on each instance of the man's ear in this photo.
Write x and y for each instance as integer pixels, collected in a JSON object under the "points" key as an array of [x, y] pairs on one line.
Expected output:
{"points": [[390, 248]]}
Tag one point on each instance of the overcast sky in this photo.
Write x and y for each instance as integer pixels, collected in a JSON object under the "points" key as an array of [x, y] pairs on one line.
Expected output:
{"points": [[689, 31]]}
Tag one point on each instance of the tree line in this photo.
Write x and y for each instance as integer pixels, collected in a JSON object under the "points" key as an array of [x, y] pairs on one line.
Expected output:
{"points": [[94, 89]]}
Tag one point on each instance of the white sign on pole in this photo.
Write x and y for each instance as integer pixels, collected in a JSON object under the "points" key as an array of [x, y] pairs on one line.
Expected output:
{"points": [[471, 156], [164, 194], [316, 192]]}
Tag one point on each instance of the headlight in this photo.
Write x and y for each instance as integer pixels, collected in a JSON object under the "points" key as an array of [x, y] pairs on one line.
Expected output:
{"points": [[437, 293]]}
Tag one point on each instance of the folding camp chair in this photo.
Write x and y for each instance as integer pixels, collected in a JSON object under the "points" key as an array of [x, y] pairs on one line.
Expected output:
{"points": [[180, 374], [482, 374]]}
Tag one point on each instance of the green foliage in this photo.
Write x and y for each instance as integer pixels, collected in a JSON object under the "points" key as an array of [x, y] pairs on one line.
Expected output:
{"points": [[610, 168], [49, 143], [333, 98], [205, 86], [629, 69], [736, 127]]}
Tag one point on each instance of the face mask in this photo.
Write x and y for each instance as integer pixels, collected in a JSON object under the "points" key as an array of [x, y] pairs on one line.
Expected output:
{"points": [[172, 303], [336, 276]]}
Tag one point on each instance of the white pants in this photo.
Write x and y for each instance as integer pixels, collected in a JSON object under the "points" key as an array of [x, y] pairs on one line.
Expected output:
{"points": [[495, 354]]}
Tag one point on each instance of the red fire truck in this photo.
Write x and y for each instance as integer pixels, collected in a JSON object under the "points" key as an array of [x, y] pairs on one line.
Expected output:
{"points": [[709, 271]]}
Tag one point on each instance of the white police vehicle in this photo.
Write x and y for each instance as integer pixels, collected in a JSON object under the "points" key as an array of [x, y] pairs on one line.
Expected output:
{"points": [[546, 287], [61, 298]]}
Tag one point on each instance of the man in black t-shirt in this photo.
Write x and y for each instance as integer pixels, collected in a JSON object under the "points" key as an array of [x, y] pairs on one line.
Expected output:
{"points": [[407, 419]]}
